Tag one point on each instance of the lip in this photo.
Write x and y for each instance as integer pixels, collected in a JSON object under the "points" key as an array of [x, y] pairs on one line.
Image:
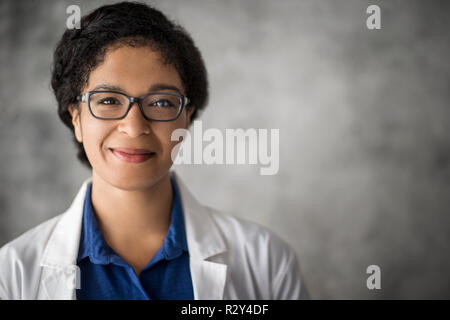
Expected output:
{"points": [[132, 151], [132, 155]]}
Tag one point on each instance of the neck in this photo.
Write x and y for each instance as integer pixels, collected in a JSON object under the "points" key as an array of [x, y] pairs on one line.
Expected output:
{"points": [[126, 216]]}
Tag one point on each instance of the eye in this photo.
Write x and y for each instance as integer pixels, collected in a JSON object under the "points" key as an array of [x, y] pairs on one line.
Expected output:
{"points": [[108, 101], [162, 103]]}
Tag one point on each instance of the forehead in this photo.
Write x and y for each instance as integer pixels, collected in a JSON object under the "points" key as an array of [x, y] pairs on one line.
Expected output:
{"points": [[135, 69]]}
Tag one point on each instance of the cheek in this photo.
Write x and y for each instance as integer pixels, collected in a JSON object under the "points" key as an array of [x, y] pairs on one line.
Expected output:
{"points": [[164, 133], [93, 137]]}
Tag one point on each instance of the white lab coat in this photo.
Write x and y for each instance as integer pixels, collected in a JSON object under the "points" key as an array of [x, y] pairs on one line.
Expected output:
{"points": [[230, 258]]}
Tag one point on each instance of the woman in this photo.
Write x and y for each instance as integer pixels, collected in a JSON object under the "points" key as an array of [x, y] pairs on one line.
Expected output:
{"points": [[124, 82]]}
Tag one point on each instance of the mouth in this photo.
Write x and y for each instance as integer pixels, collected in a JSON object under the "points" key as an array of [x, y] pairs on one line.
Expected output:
{"points": [[132, 155]]}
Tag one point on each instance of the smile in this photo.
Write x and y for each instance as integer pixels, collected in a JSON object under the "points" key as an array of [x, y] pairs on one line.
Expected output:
{"points": [[132, 155]]}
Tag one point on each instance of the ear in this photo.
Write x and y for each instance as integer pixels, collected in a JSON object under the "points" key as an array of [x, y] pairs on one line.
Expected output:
{"points": [[76, 122], [189, 112]]}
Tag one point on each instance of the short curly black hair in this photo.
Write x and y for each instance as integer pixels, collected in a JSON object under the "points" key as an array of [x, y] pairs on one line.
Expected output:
{"points": [[80, 51]]}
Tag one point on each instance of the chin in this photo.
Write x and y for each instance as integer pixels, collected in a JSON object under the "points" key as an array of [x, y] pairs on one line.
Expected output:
{"points": [[133, 180]]}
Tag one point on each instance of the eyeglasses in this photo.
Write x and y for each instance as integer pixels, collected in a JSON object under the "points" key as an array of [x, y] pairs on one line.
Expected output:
{"points": [[113, 105]]}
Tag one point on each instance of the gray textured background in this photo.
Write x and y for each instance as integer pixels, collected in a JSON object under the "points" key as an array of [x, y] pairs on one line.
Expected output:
{"points": [[364, 131]]}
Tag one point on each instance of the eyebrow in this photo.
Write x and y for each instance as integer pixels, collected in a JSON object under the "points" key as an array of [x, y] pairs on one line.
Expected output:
{"points": [[154, 87]]}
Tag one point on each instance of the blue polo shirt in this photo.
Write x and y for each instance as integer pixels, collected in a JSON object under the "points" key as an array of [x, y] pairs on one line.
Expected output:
{"points": [[105, 275]]}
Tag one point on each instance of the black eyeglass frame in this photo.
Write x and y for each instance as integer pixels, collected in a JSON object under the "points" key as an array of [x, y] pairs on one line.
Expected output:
{"points": [[86, 98]]}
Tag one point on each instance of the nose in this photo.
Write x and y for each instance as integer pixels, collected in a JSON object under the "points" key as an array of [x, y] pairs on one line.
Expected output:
{"points": [[134, 124]]}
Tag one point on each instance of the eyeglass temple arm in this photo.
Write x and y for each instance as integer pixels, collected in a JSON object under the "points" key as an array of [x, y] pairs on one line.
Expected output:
{"points": [[81, 97]]}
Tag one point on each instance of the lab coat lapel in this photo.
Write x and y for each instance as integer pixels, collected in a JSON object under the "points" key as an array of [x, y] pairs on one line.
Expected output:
{"points": [[208, 279], [204, 242], [59, 283], [60, 274]]}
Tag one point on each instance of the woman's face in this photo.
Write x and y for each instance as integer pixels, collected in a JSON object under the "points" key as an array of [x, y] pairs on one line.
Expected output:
{"points": [[133, 71]]}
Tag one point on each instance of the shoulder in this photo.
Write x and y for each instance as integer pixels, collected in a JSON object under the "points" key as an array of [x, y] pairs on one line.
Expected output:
{"points": [[249, 234], [30, 241], [256, 252], [253, 245], [19, 258]]}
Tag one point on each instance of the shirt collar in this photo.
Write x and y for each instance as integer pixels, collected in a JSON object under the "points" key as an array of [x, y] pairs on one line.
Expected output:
{"points": [[94, 246]]}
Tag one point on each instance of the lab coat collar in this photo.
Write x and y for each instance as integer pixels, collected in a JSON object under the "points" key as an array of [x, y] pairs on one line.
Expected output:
{"points": [[61, 275]]}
